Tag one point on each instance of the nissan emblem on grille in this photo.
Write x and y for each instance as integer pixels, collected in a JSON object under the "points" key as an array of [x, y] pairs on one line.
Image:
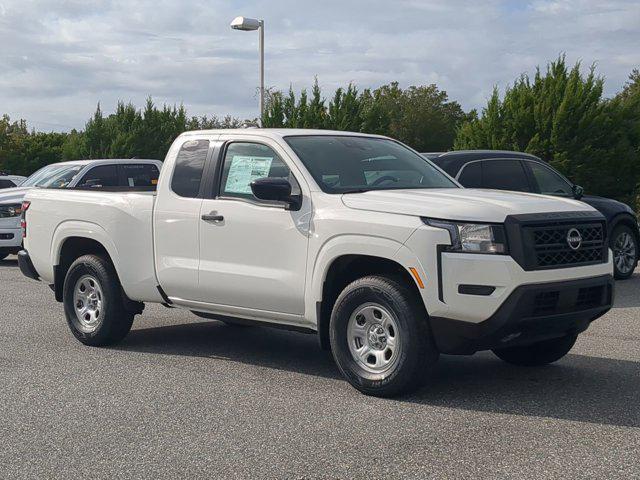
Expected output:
{"points": [[574, 239]]}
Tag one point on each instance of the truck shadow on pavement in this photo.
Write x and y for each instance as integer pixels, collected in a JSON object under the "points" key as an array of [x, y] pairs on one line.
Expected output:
{"points": [[578, 388], [9, 262], [261, 346]]}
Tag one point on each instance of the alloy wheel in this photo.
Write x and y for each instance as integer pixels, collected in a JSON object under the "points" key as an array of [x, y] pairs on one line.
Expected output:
{"points": [[624, 252]]}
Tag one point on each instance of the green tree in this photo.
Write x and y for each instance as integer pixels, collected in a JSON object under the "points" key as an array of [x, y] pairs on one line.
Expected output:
{"points": [[421, 116], [344, 111], [561, 117], [627, 104]]}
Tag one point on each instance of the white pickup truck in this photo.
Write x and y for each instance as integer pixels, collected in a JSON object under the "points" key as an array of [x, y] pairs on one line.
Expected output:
{"points": [[356, 238]]}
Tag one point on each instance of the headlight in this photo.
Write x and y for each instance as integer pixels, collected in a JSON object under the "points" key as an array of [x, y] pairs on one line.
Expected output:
{"points": [[473, 237], [12, 210]]}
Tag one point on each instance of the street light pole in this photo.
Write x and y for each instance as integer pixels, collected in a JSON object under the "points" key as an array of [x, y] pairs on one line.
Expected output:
{"points": [[261, 30], [250, 24]]}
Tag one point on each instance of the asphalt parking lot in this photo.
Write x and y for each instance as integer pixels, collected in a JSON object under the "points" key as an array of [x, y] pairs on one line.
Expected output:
{"points": [[188, 398]]}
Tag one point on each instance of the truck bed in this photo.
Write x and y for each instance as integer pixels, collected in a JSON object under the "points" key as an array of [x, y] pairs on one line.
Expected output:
{"points": [[120, 221]]}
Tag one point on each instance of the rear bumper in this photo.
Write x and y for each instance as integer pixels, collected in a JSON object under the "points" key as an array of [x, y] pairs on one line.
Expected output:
{"points": [[531, 313], [10, 239], [26, 266]]}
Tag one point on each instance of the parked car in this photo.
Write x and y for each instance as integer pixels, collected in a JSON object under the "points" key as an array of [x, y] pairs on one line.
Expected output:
{"points": [[503, 170], [353, 237], [10, 181], [82, 174]]}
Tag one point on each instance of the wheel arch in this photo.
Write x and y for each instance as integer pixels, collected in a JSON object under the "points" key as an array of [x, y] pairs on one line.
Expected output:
{"points": [[343, 270], [627, 220], [71, 240]]}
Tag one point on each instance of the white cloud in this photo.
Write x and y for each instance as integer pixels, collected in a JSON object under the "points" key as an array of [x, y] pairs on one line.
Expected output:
{"points": [[58, 58]]}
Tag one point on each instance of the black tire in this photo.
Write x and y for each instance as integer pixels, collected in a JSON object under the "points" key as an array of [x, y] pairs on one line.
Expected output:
{"points": [[115, 320], [538, 354], [418, 354], [631, 251]]}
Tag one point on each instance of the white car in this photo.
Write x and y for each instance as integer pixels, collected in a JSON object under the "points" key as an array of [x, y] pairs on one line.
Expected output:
{"points": [[10, 181], [355, 238], [81, 174]]}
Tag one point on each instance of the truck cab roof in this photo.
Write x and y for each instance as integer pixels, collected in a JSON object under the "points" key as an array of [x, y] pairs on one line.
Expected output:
{"points": [[101, 161], [276, 133]]}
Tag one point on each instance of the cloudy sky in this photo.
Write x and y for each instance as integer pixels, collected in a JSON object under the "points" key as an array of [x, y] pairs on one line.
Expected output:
{"points": [[58, 58]]}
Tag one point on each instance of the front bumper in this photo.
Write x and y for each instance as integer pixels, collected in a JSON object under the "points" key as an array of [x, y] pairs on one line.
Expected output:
{"points": [[531, 313]]}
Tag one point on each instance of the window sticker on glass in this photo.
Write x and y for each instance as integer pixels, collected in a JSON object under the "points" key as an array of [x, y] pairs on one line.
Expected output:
{"points": [[244, 170]]}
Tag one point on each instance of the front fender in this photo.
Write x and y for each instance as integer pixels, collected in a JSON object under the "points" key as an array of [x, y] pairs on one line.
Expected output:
{"points": [[348, 245], [335, 248]]}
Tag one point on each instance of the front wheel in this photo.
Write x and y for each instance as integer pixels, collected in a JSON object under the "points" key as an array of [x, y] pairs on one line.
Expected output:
{"points": [[625, 252], [93, 302], [380, 337], [537, 354]]}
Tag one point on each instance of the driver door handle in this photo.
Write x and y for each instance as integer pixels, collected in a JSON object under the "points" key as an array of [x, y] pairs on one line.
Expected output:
{"points": [[212, 217]]}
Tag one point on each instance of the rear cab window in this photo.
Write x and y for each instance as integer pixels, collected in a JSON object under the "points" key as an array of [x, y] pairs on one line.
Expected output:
{"points": [[189, 168]]}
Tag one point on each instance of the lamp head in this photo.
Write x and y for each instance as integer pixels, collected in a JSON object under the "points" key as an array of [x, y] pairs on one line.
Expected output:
{"points": [[245, 24]]}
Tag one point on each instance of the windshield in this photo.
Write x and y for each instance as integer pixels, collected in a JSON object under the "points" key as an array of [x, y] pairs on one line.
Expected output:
{"points": [[343, 164], [53, 176]]}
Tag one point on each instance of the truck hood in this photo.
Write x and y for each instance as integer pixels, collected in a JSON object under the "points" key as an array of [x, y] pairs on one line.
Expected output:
{"points": [[13, 195], [462, 204]]}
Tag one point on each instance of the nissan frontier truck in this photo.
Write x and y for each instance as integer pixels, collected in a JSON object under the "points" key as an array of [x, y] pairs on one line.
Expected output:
{"points": [[355, 238]]}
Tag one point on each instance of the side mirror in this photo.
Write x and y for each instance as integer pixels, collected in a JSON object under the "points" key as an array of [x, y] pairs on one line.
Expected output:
{"points": [[578, 192], [276, 189]]}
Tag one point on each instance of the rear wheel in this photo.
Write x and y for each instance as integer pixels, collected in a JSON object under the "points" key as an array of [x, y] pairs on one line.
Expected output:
{"points": [[625, 252], [93, 302], [380, 338], [537, 354]]}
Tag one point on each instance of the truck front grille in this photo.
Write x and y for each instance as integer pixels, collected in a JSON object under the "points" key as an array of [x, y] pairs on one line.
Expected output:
{"points": [[552, 249], [557, 239]]}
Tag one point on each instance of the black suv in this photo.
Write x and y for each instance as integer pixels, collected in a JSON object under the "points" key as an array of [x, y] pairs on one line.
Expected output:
{"points": [[502, 170]]}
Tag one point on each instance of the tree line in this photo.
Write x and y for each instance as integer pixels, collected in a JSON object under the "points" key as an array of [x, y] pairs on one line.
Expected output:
{"points": [[127, 133], [560, 115]]}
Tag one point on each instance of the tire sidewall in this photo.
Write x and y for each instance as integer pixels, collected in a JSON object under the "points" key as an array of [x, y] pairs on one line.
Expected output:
{"points": [[414, 340], [94, 267]]}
